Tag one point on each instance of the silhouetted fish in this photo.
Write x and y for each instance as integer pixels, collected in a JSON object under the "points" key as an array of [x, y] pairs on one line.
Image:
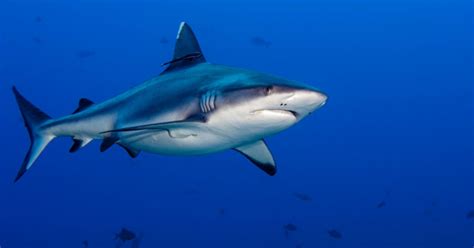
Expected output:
{"points": [[82, 54], [431, 208], [335, 234], [381, 204], [221, 211], [261, 42], [37, 40], [125, 235], [470, 214], [289, 228], [303, 197], [163, 40]]}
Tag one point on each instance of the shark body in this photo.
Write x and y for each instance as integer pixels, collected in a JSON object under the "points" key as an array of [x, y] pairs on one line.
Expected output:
{"points": [[191, 108]]}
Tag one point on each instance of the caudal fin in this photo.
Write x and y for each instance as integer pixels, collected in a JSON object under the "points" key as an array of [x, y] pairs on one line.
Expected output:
{"points": [[33, 118]]}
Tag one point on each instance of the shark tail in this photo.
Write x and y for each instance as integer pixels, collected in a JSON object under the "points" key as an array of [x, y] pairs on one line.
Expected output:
{"points": [[33, 118]]}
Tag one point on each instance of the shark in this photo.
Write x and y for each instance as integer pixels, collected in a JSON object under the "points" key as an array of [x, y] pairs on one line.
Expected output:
{"points": [[192, 107]]}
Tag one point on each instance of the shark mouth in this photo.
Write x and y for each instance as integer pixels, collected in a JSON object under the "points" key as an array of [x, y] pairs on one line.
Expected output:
{"points": [[277, 111]]}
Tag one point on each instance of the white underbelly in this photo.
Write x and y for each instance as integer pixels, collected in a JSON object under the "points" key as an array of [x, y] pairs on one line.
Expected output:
{"points": [[185, 143], [223, 130]]}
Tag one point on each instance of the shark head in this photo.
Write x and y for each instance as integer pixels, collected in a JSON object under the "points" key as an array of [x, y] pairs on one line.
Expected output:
{"points": [[283, 101], [269, 105]]}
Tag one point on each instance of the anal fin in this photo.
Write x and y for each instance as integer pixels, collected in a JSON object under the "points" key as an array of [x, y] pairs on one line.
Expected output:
{"points": [[79, 143], [75, 145], [108, 142]]}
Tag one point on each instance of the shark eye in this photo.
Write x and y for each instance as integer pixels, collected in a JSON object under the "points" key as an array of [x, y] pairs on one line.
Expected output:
{"points": [[268, 90]]}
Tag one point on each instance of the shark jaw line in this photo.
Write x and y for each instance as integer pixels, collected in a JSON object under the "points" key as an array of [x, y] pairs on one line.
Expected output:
{"points": [[276, 111]]}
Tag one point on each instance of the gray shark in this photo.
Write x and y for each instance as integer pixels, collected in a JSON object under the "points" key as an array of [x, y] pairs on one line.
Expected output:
{"points": [[193, 107]]}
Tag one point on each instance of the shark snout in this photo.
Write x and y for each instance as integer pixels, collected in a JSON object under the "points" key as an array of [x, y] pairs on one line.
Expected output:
{"points": [[316, 98], [304, 101]]}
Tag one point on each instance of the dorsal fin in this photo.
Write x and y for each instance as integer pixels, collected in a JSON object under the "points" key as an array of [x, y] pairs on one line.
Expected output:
{"points": [[186, 51], [83, 104]]}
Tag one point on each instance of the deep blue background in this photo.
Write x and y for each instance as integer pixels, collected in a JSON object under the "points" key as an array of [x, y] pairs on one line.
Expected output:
{"points": [[398, 125]]}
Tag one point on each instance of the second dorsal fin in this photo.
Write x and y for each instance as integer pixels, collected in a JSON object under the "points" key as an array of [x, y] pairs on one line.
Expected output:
{"points": [[83, 104], [187, 51]]}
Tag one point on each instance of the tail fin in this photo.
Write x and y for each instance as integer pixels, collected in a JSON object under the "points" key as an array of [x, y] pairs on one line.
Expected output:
{"points": [[33, 118]]}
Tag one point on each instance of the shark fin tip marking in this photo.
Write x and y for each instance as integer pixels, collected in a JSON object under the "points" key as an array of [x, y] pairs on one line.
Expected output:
{"points": [[84, 103], [259, 154], [107, 143], [181, 26], [77, 143]]}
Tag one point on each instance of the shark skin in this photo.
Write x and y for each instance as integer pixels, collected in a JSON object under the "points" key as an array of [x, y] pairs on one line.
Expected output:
{"points": [[192, 108]]}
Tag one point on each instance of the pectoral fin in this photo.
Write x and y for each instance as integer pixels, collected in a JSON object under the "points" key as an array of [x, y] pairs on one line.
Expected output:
{"points": [[162, 125], [259, 154]]}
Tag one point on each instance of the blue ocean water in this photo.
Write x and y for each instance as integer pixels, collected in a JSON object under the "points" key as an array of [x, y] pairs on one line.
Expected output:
{"points": [[387, 162]]}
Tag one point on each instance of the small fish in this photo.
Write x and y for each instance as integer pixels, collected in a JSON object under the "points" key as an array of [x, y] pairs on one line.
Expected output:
{"points": [[37, 40], [38, 19], [303, 197], [125, 235], [431, 208], [381, 204], [470, 215], [335, 234], [289, 228], [221, 211], [85, 243], [163, 40], [261, 42], [82, 54]]}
